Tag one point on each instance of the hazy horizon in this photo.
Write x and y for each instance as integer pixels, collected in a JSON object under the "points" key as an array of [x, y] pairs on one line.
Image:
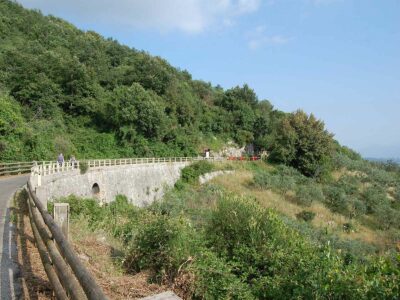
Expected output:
{"points": [[336, 59]]}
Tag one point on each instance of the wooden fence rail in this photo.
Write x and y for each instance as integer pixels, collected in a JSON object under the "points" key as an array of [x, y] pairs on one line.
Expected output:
{"points": [[15, 168], [66, 273]]}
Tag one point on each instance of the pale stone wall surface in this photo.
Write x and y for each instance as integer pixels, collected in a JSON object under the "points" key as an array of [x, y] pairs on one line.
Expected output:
{"points": [[141, 183]]}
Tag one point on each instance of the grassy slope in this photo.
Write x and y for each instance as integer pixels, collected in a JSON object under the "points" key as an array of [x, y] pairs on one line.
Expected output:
{"points": [[240, 183]]}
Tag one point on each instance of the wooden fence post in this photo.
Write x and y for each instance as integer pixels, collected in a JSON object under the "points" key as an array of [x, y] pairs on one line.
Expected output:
{"points": [[61, 217]]}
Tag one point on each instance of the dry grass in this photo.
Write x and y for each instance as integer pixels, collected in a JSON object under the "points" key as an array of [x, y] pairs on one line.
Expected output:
{"points": [[240, 183], [35, 284]]}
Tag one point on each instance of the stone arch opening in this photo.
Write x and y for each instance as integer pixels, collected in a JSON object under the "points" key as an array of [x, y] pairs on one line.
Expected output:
{"points": [[95, 189]]}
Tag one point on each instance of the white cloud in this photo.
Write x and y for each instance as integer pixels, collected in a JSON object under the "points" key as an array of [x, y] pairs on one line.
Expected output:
{"points": [[259, 38], [190, 16]]}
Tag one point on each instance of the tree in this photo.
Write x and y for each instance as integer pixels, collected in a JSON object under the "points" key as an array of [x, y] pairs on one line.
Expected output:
{"points": [[303, 143], [134, 110]]}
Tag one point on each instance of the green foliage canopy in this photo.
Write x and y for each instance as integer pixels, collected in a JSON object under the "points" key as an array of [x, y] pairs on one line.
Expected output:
{"points": [[303, 143]]}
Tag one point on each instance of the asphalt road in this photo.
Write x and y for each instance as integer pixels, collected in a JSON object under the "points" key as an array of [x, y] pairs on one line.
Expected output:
{"points": [[10, 287]]}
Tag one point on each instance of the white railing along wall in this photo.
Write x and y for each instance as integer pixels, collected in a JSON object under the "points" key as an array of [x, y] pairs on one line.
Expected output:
{"points": [[49, 168]]}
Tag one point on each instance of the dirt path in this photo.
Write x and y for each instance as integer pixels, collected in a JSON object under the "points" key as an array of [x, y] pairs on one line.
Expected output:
{"points": [[10, 287]]}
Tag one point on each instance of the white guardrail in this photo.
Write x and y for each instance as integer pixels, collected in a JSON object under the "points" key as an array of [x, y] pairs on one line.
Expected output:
{"points": [[51, 167]]}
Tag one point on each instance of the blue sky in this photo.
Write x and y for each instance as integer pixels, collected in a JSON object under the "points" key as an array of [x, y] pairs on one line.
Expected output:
{"points": [[339, 59]]}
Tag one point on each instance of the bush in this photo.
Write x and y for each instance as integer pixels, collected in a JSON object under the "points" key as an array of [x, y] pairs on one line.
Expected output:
{"points": [[87, 208], [162, 244], [387, 217], [349, 184], [303, 196], [305, 215], [263, 180], [276, 182], [215, 279], [236, 221], [381, 177], [284, 184], [374, 197], [336, 199], [303, 143], [306, 194], [83, 167], [356, 207], [191, 173], [290, 172]]}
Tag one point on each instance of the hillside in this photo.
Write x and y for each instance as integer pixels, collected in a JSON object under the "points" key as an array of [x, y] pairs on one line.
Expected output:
{"points": [[63, 89], [72, 91]]}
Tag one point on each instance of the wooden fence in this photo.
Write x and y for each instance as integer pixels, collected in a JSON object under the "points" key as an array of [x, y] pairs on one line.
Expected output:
{"points": [[66, 273], [15, 168]]}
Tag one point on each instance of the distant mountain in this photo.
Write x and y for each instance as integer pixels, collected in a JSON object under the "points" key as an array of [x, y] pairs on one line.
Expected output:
{"points": [[375, 159]]}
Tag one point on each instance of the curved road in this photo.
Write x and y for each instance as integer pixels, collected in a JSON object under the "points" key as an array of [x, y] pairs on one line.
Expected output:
{"points": [[10, 287]]}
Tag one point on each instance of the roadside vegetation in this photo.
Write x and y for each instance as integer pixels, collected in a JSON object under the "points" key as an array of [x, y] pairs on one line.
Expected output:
{"points": [[209, 243]]}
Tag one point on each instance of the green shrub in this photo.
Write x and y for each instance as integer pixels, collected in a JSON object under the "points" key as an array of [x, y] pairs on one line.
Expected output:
{"points": [[236, 221], [284, 184], [303, 196], [214, 279], [374, 197], [162, 244], [289, 172], [349, 184], [122, 219], [276, 182], [263, 180], [306, 194], [381, 177], [336, 199], [83, 167], [356, 207], [192, 172], [387, 217], [305, 215]]}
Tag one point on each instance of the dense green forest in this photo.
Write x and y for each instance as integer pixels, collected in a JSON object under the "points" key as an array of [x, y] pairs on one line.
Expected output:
{"points": [[71, 91]]}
